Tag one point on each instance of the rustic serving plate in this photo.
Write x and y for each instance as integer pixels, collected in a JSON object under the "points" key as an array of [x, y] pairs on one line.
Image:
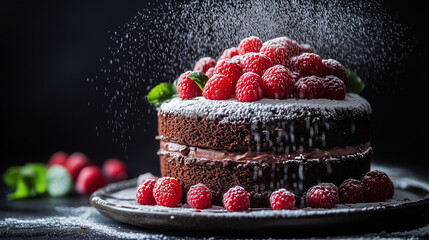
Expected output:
{"points": [[409, 206]]}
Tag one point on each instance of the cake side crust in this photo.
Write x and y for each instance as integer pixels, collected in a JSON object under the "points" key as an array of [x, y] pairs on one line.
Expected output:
{"points": [[260, 178], [267, 125]]}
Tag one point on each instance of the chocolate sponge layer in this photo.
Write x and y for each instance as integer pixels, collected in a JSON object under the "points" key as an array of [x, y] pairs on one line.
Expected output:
{"points": [[261, 178], [272, 135]]}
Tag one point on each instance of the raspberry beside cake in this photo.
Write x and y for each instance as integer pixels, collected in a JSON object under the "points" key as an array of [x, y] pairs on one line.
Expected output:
{"points": [[277, 118]]}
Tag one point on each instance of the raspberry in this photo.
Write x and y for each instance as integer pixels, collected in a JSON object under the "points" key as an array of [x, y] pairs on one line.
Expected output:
{"points": [[204, 64], [228, 54], [236, 199], [218, 87], [144, 193], [276, 52], [145, 176], [334, 88], [115, 170], [296, 76], [310, 87], [76, 162], [90, 179], [237, 58], [199, 196], [333, 67], [58, 158], [351, 191], [323, 195], [377, 186], [305, 48], [187, 88], [278, 82], [308, 64], [167, 192], [255, 62], [292, 47], [250, 44], [282, 199], [209, 72], [230, 68], [249, 87]]}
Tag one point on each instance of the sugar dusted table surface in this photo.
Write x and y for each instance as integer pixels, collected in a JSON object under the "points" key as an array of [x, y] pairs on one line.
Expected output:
{"points": [[73, 218]]}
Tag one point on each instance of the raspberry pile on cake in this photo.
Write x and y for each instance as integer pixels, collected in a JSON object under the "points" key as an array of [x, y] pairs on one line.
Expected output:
{"points": [[264, 116]]}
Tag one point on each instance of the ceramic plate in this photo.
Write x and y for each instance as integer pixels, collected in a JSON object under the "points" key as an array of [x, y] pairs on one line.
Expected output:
{"points": [[409, 205]]}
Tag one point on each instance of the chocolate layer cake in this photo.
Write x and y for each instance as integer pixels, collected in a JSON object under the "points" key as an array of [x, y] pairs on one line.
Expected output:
{"points": [[264, 145]]}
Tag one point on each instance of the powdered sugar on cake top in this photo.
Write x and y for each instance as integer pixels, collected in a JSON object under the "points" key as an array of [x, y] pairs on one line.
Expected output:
{"points": [[233, 110]]}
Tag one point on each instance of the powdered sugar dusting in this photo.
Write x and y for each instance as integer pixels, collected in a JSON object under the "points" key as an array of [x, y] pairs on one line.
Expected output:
{"points": [[85, 218], [264, 109]]}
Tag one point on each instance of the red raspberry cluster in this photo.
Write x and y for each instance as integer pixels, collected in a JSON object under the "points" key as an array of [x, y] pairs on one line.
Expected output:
{"points": [[167, 192], [285, 69], [87, 176], [375, 186]]}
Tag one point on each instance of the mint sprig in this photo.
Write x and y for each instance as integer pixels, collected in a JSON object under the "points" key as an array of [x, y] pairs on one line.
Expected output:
{"points": [[161, 93], [27, 181], [355, 84], [164, 92], [199, 78]]}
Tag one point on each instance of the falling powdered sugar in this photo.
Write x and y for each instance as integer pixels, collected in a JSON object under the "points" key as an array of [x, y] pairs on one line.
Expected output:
{"points": [[166, 39]]}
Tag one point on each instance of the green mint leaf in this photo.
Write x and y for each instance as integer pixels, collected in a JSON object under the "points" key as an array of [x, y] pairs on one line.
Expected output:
{"points": [[28, 180], [355, 84], [39, 176], [11, 177], [23, 189], [199, 78], [161, 93]]}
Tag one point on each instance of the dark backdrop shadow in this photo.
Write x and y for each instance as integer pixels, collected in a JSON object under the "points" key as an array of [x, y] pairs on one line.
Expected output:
{"points": [[49, 48]]}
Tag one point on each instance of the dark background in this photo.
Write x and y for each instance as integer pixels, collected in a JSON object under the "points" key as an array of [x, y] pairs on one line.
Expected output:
{"points": [[49, 48]]}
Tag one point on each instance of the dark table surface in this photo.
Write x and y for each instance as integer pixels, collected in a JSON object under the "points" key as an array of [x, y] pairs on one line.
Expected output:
{"points": [[73, 217]]}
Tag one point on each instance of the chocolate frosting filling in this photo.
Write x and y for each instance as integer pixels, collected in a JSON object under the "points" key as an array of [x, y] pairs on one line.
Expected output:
{"points": [[335, 153]]}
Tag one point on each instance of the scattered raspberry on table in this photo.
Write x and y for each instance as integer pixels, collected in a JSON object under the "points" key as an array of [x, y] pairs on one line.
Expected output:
{"points": [[199, 196], [167, 192], [90, 179], [236, 199], [144, 193], [377, 186], [323, 195], [351, 191], [282, 199]]}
